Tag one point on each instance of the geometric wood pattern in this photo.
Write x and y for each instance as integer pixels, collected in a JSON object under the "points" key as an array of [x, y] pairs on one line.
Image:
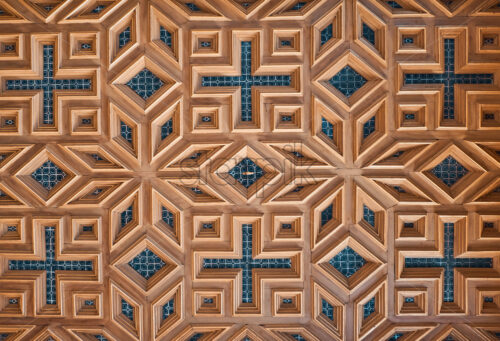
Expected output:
{"points": [[249, 170]]}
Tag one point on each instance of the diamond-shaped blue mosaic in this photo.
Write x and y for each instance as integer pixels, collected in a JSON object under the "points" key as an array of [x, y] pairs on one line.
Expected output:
{"points": [[167, 216], [126, 132], [327, 127], [124, 37], [246, 172], [168, 308], [146, 263], [165, 36], [393, 4], [369, 308], [145, 84], [449, 171], [368, 215], [127, 310], [368, 33], [126, 216], [327, 309], [347, 81], [167, 128], [326, 34], [326, 214], [395, 336], [48, 175], [347, 262], [298, 6], [369, 127]]}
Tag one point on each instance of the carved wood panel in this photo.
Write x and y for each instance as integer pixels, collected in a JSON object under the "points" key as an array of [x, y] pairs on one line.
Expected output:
{"points": [[249, 170]]}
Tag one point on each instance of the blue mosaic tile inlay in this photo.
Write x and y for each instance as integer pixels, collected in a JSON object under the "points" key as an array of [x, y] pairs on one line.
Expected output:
{"points": [[368, 215], [196, 337], [167, 128], [167, 216], [246, 172], [48, 175], [368, 33], [298, 337], [449, 171], [247, 263], [145, 84], [449, 263], [327, 309], [126, 216], [165, 36], [192, 6], [326, 215], [449, 78], [146, 263], [127, 310], [126, 132], [395, 336], [168, 308], [246, 80], [98, 9], [408, 40], [347, 81], [327, 127], [326, 34], [100, 337], [48, 84], [369, 308], [50, 265], [369, 127], [347, 262], [393, 4], [298, 6], [124, 37]]}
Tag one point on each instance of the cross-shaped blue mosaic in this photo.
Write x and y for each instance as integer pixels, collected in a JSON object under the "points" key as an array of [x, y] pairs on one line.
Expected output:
{"points": [[246, 172], [145, 84], [449, 263], [347, 262], [48, 175], [146, 263], [246, 80], [247, 263], [50, 265], [48, 84], [449, 171], [449, 78], [347, 81]]}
